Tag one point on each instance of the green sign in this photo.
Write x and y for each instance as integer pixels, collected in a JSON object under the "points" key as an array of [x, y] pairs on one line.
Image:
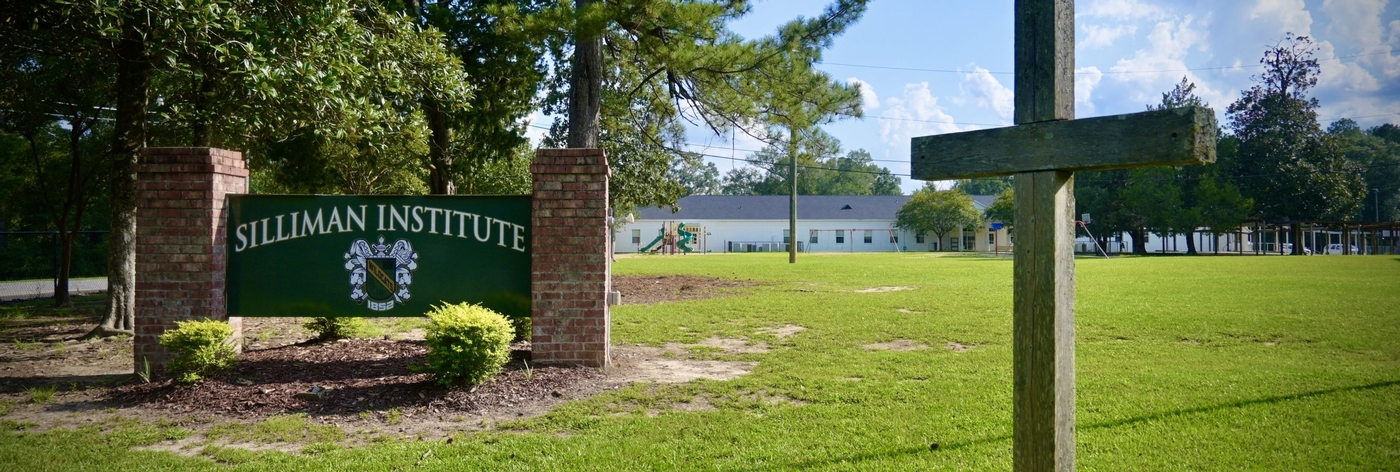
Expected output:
{"points": [[294, 255]]}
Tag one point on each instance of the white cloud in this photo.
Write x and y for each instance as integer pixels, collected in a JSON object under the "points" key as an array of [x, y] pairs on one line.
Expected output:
{"points": [[1348, 77], [981, 88], [1121, 10], [1085, 80], [915, 113], [1356, 25], [1161, 65], [1102, 36], [868, 99], [1291, 15]]}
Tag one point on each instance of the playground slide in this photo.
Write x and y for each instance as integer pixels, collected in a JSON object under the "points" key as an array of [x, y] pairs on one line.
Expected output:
{"points": [[653, 243], [686, 236]]}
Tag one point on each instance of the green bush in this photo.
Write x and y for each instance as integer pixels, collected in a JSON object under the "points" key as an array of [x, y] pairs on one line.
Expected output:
{"points": [[201, 348], [521, 326], [467, 344], [330, 329]]}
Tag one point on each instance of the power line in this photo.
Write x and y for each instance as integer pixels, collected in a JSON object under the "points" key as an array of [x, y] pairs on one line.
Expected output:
{"points": [[1111, 72]]}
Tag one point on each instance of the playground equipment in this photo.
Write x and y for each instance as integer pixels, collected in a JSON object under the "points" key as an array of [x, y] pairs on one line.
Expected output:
{"points": [[676, 236]]}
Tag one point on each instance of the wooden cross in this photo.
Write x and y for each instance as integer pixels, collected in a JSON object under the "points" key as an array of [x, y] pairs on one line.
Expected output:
{"points": [[1043, 151]]}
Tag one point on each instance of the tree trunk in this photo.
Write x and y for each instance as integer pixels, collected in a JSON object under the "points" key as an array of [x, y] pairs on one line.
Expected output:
{"points": [[440, 163], [129, 136], [200, 130], [1297, 232], [1191, 242], [1139, 236], [586, 82]]}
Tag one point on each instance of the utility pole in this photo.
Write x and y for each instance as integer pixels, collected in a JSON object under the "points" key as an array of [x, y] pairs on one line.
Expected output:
{"points": [[792, 198]]}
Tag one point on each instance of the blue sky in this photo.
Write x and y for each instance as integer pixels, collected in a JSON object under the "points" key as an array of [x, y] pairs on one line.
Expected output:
{"points": [[1128, 53]]}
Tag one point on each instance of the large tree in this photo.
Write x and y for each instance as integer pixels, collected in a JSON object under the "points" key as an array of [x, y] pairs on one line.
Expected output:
{"points": [[50, 101], [1380, 157], [939, 212], [230, 72], [1287, 164], [669, 63]]}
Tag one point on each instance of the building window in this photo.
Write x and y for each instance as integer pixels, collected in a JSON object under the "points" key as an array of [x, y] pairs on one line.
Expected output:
{"points": [[813, 239], [840, 236], [636, 236], [953, 243], [786, 236], [893, 239], [991, 239], [869, 236], [919, 238], [969, 242]]}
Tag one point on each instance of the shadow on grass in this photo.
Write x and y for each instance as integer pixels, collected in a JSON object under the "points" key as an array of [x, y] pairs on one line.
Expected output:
{"points": [[858, 458]]}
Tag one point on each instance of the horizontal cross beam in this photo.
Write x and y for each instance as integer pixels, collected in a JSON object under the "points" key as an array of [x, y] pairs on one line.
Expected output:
{"points": [[1179, 136]]}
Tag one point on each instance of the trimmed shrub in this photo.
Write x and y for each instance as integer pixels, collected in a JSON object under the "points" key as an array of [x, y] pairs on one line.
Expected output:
{"points": [[467, 344], [201, 348], [521, 325], [331, 329]]}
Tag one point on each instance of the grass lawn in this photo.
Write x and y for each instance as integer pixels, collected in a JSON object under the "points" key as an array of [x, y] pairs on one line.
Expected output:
{"points": [[1272, 363]]}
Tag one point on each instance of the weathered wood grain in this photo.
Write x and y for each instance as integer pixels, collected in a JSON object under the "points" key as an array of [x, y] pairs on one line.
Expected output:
{"points": [[1043, 323], [1179, 136], [1044, 60]]}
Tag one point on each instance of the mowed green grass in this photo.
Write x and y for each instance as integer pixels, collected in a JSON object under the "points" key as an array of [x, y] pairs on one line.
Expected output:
{"points": [[1204, 363]]}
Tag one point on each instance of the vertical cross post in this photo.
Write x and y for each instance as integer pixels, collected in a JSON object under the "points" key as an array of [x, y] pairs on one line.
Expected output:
{"points": [[1043, 316], [1043, 151]]}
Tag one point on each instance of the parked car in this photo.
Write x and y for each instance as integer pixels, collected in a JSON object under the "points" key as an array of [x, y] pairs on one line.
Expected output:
{"points": [[1336, 249], [1288, 249]]}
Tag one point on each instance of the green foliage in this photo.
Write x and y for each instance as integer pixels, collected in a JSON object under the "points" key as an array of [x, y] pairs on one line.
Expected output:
{"points": [[467, 344], [671, 62], [822, 170], [333, 328], [694, 174], [1286, 163], [1380, 157], [935, 211], [201, 347], [521, 328], [984, 186], [41, 395], [1003, 209]]}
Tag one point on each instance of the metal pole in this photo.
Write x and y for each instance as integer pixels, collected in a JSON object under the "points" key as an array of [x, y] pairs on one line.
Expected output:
{"points": [[792, 199]]}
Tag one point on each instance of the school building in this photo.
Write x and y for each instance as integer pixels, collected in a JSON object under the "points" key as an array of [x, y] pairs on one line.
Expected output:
{"points": [[825, 223]]}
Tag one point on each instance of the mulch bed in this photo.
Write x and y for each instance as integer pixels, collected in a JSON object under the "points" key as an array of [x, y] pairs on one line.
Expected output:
{"points": [[360, 374]]}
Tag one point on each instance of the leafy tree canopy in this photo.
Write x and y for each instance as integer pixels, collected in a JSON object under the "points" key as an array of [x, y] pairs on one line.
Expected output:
{"points": [[939, 212]]}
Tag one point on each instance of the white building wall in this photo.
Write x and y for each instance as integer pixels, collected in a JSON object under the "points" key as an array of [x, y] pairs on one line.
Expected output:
{"points": [[769, 235]]}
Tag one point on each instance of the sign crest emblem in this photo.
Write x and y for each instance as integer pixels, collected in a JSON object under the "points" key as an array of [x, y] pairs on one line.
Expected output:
{"points": [[370, 280]]}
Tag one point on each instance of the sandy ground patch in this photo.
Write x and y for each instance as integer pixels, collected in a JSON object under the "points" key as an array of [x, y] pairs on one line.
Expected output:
{"points": [[884, 289], [898, 345]]}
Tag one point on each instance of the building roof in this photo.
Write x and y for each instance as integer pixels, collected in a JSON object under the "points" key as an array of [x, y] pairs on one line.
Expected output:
{"points": [[775, 207]]}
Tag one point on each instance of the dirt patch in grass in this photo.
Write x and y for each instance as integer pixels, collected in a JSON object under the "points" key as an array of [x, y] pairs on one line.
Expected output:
{"points": [[960, 347], [649, 289], [736, 346], [669, 365], [898, 345], [884, 289], [785, 331]]}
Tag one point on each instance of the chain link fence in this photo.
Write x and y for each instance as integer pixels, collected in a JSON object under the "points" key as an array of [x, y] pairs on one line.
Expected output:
{"points": [[29, 262]]}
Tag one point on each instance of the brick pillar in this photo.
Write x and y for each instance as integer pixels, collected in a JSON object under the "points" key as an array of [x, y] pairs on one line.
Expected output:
{"points": [[569, 257], [180, 253]]}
